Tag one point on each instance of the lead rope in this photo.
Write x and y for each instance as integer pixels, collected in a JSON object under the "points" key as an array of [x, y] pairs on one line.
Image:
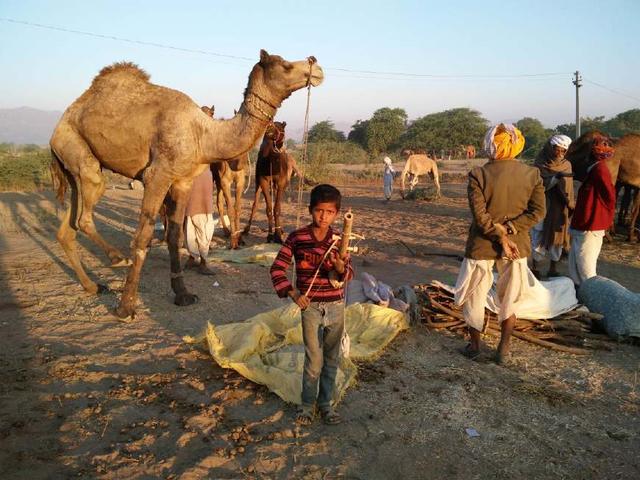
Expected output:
{"points": [[305, 137]]}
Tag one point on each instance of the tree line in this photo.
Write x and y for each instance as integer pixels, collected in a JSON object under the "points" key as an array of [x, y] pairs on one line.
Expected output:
{"points": [[389, 130]]}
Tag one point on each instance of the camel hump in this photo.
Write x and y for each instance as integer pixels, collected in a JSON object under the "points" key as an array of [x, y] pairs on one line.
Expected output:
{"points": [[127, 68]]}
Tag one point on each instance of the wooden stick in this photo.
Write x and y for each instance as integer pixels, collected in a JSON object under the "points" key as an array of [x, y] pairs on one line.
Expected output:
{"points": [[551, 345]]}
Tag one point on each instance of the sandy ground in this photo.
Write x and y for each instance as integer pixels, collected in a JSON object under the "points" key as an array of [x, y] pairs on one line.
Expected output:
{"points": [[83, 395]]}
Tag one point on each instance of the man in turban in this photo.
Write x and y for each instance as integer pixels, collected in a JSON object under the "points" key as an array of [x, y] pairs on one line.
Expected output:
{"points": [[550, 236], [506, 199], [595, 208], [387, 177]]}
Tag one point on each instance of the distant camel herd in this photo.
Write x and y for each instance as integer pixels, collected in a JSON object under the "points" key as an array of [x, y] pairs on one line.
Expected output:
{"points": [[159, 136]]}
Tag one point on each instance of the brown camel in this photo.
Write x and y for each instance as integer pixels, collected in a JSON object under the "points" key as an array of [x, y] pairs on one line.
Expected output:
{"points": [[160, 136], [624, 165], [419, 164], [274, 168], [226, 174]]}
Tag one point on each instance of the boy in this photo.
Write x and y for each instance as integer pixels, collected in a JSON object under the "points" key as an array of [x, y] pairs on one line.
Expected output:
{"points": [[320, 299]]}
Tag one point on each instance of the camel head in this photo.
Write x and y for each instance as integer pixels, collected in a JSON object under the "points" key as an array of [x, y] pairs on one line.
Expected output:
{"points": [[209, 110], [579, 153], [406, 152], [273, 79], [275, 133]]}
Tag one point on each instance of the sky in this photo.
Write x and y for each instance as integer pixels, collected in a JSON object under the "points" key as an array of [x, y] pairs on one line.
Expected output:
{"points": [[479, 52]]}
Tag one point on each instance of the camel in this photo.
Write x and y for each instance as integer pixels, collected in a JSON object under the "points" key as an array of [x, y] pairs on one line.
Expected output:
{"points": [[624, 166], [226, 174], [126, 124], [274, 169], [419, 164]]}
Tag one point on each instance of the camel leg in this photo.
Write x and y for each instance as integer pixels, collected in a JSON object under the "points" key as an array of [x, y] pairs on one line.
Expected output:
{"points": [[277, 237], [254, 207], [220, 206], [236, 235], [635, 212], [436, 180], [226, 191], [179, 196], [267, 188], [155, 190], [67, 237], [92, 187]]}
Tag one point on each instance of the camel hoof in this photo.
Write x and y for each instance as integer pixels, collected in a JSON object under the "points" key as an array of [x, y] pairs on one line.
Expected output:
{"points": [[270, 238], [186, 299], [102, 289], [125, 313], [121, 262], [246, 230]]}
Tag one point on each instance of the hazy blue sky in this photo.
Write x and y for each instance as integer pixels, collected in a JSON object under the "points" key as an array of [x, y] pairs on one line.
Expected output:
{"points": [[48, 69]]}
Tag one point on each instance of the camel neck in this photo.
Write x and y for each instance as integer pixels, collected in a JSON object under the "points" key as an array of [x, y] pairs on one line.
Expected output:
{"points": [[229, 139]]}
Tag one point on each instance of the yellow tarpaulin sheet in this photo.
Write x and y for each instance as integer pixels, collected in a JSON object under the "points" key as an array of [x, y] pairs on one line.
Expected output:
{"points": [[268, 349], [263, 254]]}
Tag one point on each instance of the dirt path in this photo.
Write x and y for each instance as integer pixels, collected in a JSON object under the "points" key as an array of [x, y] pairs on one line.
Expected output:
{"points": [[85, 396]]}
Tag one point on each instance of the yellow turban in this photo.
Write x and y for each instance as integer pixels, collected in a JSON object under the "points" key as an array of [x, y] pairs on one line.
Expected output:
{"points": [[503, 141]]}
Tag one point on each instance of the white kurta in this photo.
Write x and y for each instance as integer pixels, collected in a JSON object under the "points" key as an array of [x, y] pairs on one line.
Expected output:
{"points": [[198, 231]]}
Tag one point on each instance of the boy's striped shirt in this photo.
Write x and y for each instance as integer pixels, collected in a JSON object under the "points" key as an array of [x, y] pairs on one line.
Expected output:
{"points": [[308, 253]]}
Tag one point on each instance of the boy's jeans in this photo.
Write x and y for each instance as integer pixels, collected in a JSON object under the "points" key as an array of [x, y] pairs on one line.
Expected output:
{"points": [[322, 329]]}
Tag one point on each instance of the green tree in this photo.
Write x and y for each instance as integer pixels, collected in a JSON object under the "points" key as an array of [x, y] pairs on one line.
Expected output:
{"points": [[623, 123], [384, 129], [535, 136], [587, 124], [325, 131], [358, 133], [446, 130]]}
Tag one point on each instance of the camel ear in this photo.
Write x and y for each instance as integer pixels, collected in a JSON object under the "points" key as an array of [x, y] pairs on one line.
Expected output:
{"points": [[264, 56], [284, 124]]}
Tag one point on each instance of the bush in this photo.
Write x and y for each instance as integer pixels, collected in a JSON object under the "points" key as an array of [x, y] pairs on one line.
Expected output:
{"points": [[25, 169]]}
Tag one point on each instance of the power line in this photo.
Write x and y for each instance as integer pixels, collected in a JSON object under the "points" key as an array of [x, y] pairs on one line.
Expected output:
{"points": [[121, 39], [612, 90], [368, 73]]}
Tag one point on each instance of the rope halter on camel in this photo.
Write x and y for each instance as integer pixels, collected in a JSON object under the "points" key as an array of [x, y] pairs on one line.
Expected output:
{"points": [[305, 137]]}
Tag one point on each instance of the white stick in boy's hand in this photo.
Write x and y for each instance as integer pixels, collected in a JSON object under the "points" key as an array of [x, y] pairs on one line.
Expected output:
{"points": [[301, 300]]}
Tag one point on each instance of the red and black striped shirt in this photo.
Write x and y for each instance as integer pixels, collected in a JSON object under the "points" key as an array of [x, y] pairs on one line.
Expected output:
{"points": [[308, 252]]}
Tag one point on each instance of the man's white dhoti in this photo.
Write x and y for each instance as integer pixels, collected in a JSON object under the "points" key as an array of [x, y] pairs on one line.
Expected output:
{"points": [[198, 231], [583, 257], [538, 251], [475, 280]]}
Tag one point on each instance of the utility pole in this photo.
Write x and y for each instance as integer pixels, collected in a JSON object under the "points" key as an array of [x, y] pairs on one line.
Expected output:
{"points": [[577, 82]]}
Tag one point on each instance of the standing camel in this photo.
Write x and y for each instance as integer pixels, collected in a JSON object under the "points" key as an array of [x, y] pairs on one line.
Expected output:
{"points": [[624, 166], [274, 169], [160, 136], [226, 174], [416, 165]]}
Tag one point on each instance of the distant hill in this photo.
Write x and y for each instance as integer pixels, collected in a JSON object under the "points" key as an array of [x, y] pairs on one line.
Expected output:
{"points": [[27, 125]]}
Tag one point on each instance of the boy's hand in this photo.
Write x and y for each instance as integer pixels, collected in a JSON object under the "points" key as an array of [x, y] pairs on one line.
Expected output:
{"points": [[301, 300], [338, 263]]}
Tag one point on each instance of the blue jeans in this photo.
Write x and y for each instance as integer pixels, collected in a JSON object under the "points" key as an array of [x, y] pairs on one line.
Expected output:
{"points": [[322, 329]]}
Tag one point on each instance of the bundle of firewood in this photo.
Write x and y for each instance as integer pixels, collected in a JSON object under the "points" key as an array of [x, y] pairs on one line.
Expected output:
{"points": [[575, 331]]}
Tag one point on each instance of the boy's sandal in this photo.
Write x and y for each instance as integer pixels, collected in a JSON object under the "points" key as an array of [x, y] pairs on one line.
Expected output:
{"points": [[470, 353], [331, 417], [304, 416]]}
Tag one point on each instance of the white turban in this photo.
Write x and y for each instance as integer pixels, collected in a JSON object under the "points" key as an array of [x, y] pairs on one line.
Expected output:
{"points": [[387, 160], [561, 141]]}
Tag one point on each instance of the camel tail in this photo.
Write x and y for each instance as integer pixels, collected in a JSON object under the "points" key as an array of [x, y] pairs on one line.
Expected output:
{"points": [[58, 177]]}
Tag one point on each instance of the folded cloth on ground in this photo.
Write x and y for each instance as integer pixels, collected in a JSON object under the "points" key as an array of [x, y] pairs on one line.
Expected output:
{"points": [[263, 254], [268, 348], [370, 289], [620, 307]]}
